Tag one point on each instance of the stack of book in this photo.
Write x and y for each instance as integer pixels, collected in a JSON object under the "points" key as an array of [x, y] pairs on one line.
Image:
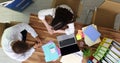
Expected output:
{"points": [[113, 53], [107, 52], [51, 52], [91, 35]]}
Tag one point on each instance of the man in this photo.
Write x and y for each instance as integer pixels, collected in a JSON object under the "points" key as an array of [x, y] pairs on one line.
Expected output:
{"points": [[13, 44]]}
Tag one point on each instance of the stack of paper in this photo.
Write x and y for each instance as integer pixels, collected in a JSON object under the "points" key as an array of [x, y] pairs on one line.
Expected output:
{"points": [[91, 35], [51, 51], [72, 58]]}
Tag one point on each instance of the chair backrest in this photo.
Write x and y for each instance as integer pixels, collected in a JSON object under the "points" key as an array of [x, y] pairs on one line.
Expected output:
{"points": [[117, 22], [74, 4], [105, 15]]}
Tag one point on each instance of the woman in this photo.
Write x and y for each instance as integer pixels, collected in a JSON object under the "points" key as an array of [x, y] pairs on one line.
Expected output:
{"points": [[13, 42], [60, 16]]}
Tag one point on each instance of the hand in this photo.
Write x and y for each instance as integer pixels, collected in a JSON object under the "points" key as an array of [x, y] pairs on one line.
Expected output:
{"points": [[49, 28], [37, 45], [38, 39], [48, 18], [58, 31]]}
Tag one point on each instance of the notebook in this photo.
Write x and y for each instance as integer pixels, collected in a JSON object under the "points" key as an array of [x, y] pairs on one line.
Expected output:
{"points": [[92, 33], [87, 39], [50, 51], [67, 44]]}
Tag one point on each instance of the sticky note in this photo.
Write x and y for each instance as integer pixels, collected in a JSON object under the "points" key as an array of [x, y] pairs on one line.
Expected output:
{"points": [[81, 33], [78, 37]]}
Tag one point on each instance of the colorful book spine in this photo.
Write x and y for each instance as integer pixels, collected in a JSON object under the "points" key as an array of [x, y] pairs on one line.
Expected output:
{"points": [[113, 55], [116, 45], [115, 50], [108, 40], [103, 61], [111, 58], [108, 60], [108, 51]]}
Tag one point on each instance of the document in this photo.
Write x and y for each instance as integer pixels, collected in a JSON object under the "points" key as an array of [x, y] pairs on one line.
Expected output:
{"points": [[87, 39], [92, 33], [72, 58]]}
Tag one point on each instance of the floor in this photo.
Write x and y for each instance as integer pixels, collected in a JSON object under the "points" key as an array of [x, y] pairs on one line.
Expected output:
{"points": [[5, 59], [7, 15]]}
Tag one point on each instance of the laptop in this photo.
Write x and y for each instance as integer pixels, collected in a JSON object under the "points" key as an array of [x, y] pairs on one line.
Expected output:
{"points": [[67, 44]]}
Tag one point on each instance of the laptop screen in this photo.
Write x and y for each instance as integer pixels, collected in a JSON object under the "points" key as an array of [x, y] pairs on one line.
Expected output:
{"points": [[67, 42]]}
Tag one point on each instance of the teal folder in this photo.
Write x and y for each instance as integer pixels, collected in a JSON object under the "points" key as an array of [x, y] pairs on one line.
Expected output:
{"points": [[50, 51]]}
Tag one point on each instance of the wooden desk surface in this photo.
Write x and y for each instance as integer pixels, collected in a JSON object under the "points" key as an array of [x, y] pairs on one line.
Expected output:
{"points": [[38, 56]]}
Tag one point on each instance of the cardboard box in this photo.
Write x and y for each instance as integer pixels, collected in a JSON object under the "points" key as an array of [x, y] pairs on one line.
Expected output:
{"points": [[106, 14]]}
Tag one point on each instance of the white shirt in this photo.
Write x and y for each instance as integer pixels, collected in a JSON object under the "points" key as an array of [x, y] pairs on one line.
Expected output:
{"points": [[44, 12], [12, 34]]}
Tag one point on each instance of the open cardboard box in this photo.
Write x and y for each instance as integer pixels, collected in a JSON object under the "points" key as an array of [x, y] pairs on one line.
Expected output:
{"points": [[105, 15]]}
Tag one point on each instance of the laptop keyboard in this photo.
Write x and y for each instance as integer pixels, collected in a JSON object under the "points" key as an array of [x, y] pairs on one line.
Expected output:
{"points": [[67, 42]]}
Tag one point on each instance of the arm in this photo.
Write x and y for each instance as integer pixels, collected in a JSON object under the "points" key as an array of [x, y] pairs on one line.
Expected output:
{"points": [[43, 13], [68, 31], [30, 30], [59, 31], [43, 16], [49, 28]]}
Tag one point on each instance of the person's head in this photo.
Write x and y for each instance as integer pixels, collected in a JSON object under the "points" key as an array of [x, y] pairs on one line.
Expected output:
{"points": [[20, 47], [62, 17]]}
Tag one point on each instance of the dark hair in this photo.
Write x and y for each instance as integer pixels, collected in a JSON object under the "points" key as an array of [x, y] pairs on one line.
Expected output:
{"points": [[20, 47], [62, 17]]}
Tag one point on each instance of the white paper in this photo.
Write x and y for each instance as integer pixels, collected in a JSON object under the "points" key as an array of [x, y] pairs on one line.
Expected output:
{"points": [[52, 50]]}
